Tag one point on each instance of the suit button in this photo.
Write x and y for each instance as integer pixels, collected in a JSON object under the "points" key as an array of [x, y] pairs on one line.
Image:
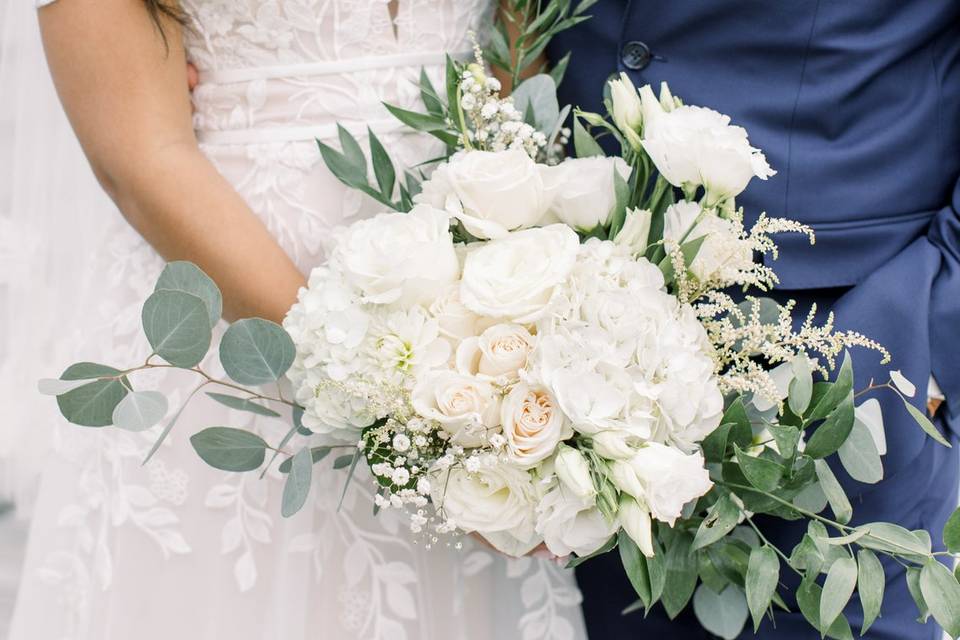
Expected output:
{"points": [[636, 55]]}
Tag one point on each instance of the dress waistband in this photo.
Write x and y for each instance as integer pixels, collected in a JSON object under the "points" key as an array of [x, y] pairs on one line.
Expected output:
{"points": [[328, 67]]}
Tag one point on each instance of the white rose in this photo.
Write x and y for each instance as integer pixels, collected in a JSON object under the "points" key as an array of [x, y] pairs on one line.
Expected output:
{"points": [[664, 478], [399, 257], [722, 255], [515, 277], [465, 407], [581, 191], [496, 354], [456, 321], [572, 524], [693, 146], [495, 501], [490, 192], [573, 470], [533, 425]]}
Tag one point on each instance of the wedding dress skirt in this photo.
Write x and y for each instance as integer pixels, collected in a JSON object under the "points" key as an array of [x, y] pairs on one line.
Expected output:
{"points": [[175, 549]]}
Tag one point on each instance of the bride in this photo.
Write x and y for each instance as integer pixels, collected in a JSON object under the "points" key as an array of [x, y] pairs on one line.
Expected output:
{"points": [[175, 549]]}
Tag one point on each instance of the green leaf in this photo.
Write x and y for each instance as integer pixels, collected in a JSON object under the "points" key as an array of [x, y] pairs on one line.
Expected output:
{"points": [[859, 455], [354, 176], [92, 404], [316, 454], [837, 590], [951, 533], [892, 538], [836, 496], [870, 585], [229, 449], [427, 123], [583, 143], [189, 278], [680, 576], [925, 424], [801, 387], [722, 517], [297, 487], [723, 614], [635, 566], [346, 483], [177, 325], [836, 392], [941, 592], [382, 166], [833, 432], [538, 93], [560, 69], [763, 573], [714, 446], [786, 438], [431, 100], [256, 351], [607, 546], [806, 556], [619, 214], [741, 433], [341, 462], [761, 473], [689, 250], [808, 599], [243, 404], [913, 585], [140, 410]]}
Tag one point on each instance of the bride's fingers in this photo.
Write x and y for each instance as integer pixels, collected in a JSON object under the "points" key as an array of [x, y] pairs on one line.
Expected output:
{"points": [[193, 77], [540, 551]]}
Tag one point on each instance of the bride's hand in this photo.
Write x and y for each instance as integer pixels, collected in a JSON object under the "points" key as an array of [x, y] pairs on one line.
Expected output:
{"points": [[540, 551]]}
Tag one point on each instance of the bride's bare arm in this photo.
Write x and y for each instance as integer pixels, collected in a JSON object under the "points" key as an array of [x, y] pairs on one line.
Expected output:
{"points": [[125, 92]]}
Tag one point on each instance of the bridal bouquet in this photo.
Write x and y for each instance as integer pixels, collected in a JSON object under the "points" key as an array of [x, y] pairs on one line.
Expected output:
{"points": [[547, 351]]}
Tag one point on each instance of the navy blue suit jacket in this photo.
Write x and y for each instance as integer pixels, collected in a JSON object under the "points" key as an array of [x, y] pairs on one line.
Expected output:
{"points": [[856, 103]]}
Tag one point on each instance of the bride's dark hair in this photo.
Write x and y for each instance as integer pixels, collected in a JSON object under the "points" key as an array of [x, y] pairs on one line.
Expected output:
{"points": [[164, 9]]}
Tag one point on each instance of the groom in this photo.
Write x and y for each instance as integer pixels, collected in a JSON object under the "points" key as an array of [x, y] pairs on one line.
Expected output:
{"points": [[857, 105]]}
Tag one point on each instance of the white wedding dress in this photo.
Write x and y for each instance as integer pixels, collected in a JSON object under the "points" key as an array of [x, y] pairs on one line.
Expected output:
{"points": [[176, 550]]}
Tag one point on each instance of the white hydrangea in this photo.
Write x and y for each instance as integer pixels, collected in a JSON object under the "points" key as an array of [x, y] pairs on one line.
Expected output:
{"points": [[619, 353]]}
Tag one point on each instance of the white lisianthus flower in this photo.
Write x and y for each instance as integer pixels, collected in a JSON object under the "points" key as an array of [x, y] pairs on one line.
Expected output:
{"points": [[693, 146], [465, 407], [635, 520], [581, 191], [572, 524], [723, 254], [515, 278], [635, 233], [495, 501], [490, 192], [615, 445], [627, 109], [456, 321], [533, 425], [573, 471], [664, 478], [496, 354], [404, 258]]}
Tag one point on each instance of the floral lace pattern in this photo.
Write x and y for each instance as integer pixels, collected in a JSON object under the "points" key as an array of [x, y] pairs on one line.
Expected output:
{"points": [[208, 550]]}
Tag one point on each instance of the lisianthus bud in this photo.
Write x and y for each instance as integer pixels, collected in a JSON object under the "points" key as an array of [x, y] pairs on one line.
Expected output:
{"points": [[574, 471], [624, 476], [627, 112], [613, 445], [635, 520], [635, 233]]}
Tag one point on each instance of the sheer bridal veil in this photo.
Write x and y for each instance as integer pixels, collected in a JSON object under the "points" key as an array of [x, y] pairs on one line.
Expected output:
{"points": [[51, 211]]}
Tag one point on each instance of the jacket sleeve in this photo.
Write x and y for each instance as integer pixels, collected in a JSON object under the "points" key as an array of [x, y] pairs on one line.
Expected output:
{"points": [[944, 234]]}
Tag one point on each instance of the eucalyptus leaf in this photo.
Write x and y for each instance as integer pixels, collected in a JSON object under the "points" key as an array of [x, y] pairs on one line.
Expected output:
{"points": [[951, 533], [297, 487], [635, 566], [859, 455], [722, 517], [761, 473], [55, 387], [140, 410], [837, 590], [891, 538], [808, 599], [913, 585], [538, 93], [833, 432], [925, 424], [92, 404], [229, 449], [316, 453], [801, 387], [763, 573], [583, 143], [870, 585], [786, 437], [941, 592], [836, 392], [189, 278], [836, 496], [256, 351], [723, 614], [177, 326], [680, 576], [604, 548], [243, 404]]}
